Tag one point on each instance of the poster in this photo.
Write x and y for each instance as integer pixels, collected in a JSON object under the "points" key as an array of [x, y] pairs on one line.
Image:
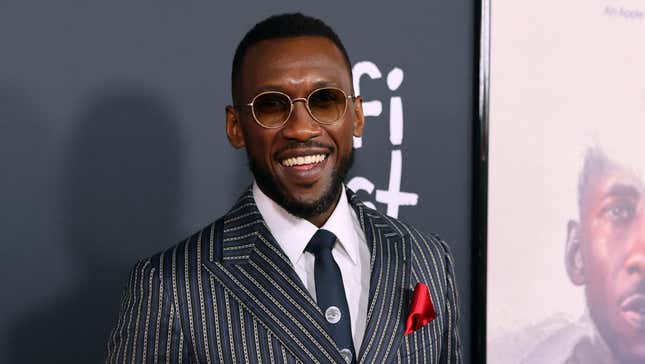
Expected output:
{"points": [[566, 182]]}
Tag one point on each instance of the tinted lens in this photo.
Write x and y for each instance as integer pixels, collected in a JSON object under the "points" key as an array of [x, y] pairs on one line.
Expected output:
{"points": [[271, 108], [327, 105]]}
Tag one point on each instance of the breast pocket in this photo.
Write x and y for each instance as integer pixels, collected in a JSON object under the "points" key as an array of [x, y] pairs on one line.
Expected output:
{"points": [[423, 345]]}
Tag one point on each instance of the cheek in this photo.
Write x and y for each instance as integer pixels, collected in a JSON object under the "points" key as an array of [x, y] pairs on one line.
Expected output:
{"points": [[343, 136], [596, 253], [607, 237], [258, 144], [608, 241], [599, 246], [601, 257]]}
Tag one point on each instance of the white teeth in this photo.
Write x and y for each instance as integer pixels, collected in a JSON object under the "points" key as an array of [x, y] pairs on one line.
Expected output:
{"points": [[299, 161]]}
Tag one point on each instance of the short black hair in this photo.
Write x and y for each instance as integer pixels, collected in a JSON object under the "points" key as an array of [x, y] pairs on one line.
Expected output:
{"points": [[595, 160], [282, 26]]}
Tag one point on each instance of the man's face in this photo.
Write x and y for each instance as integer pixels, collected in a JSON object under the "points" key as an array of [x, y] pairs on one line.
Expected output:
{"points": [[611, 261], [296, 67]]}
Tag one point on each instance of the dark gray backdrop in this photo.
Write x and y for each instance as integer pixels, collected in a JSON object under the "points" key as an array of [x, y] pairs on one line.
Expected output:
{"points": [[112, 143]]}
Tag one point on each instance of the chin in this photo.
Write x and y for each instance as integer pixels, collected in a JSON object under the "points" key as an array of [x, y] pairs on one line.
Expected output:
{"points": [[300, 206], [627, 348], [303, 207], [307, 207]]}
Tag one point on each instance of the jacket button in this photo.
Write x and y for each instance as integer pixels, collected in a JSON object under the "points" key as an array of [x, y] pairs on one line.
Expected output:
{"points": [[332, 314], [347, 355]]}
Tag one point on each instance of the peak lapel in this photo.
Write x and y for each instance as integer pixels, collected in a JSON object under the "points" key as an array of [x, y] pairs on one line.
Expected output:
{"points": [[389, 285], [260, 276]]}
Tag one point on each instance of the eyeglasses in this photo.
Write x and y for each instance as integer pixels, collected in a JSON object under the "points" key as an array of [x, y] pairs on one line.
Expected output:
{"points": [[272, 109]]}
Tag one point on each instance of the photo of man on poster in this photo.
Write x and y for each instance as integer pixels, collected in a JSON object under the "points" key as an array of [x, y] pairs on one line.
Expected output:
{"points": [[605, 254]]}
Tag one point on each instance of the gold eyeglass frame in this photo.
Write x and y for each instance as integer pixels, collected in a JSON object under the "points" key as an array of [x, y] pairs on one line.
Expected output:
{"points": [[294, 100]]}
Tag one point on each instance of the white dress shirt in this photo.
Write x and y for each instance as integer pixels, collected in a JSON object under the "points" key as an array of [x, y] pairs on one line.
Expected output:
{"points": [[351, 254]]}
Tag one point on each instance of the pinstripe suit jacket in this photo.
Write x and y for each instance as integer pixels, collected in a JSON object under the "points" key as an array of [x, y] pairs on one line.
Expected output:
{"points": [[228, 294]]}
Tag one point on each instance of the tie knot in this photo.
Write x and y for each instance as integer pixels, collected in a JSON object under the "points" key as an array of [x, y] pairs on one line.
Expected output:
{"points": [[322, 239]]}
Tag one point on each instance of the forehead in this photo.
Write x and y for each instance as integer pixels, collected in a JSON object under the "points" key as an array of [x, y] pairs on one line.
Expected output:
{"points": [[291, 64], [609, 178]]}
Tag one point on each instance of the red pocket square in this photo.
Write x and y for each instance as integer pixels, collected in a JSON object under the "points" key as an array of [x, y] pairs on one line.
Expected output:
{"points": [[421, 309]]}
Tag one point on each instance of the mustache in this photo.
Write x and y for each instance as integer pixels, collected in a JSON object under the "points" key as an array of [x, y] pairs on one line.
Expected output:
{"points": [[304, 145], [636, 289]]}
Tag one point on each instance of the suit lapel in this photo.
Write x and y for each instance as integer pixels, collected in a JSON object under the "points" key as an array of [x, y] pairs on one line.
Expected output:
{"points": [[389, 294], [251, 265]]}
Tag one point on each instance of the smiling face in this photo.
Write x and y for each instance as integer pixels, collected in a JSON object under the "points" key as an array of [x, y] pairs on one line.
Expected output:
{"points": [[606, 254], [301, 165]]}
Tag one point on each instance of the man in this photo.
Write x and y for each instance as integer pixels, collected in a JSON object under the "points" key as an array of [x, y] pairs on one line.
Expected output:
{"points": [[605, 253], [299, 270]]}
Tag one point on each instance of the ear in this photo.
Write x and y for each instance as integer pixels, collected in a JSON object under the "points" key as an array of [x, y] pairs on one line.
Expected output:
{"points": [[359, 121], [234, 128], [573, 254]]}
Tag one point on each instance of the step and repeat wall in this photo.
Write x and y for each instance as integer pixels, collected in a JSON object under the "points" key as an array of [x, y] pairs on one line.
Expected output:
{"points": [[112, 143], [566, 209]]}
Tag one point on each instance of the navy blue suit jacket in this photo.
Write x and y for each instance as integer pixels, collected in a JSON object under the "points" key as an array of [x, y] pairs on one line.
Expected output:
{"points": [[228, 294]]}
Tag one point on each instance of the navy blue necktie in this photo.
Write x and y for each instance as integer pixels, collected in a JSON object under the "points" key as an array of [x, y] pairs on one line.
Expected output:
{"points": [[330, 292]]}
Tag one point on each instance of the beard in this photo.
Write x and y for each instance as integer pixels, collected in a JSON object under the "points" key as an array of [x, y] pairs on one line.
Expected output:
{"points": [[303, 209]]}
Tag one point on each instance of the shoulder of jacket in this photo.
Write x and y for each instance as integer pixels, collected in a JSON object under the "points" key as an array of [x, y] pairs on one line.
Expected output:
{"points": [[420, 239], [206, 241]]}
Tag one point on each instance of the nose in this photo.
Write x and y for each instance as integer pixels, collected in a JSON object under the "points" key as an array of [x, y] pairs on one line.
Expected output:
{"points": [[301, 126], [635, 263]]}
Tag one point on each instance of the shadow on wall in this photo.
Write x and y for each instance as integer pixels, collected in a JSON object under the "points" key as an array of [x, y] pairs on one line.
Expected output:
{"points": [[25, 184], [119, 203]]}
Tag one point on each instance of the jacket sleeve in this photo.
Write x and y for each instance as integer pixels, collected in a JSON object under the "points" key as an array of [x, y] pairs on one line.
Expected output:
{"points": [[452, 350], [148, 329]]}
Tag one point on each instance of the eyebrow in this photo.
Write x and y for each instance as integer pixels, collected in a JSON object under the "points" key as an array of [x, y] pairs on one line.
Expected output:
{"points": [[622, 190]]}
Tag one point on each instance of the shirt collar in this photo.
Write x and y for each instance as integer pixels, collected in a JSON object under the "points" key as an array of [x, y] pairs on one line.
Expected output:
{"points": [[293, 233]]}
